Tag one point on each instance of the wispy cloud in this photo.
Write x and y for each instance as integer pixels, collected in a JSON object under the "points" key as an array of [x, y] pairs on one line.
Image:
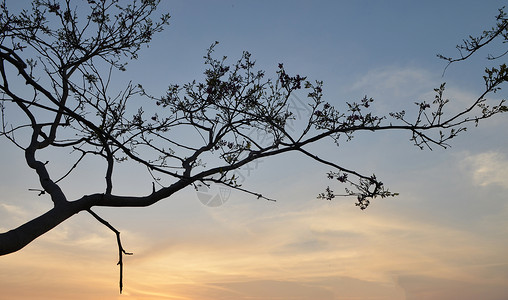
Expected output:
{"points": [[400, 86], [487, 168], [395, 82], [320, 242], [15, 210]]}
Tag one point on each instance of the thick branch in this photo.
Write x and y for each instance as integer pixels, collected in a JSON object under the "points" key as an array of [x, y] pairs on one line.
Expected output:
{"points": [[57, 196], [18, 238], [15, 239]]}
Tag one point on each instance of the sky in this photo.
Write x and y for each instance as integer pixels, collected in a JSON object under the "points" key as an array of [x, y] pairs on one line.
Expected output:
{"points": [[444, 237]]}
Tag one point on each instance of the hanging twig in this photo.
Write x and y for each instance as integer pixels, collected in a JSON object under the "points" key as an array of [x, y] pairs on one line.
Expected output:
{"points": [[121, 250]]}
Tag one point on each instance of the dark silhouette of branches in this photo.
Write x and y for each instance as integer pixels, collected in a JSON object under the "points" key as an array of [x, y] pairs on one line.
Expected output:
{"points": [[56, 70], [472, 44]]}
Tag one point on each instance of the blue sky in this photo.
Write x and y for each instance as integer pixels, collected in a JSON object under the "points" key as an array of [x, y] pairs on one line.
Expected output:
{"points": [[444, 237]]}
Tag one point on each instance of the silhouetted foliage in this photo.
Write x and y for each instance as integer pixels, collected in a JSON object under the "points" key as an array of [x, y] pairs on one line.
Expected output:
{"points": [[197, 133]]}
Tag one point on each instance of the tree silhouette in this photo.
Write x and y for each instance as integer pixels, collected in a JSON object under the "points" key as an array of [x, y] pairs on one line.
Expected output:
{"points": [[56, 70]]}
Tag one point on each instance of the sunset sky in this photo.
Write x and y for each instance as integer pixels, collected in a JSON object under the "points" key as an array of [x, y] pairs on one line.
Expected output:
{"points": [[444, 237]]}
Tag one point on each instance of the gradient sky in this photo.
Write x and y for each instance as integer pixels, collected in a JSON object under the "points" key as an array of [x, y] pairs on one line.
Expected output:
{"points": [[445, 237]]}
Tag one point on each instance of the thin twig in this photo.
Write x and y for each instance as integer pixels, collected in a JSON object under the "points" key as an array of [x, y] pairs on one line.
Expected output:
{"points": [[121, 250], [236, 187]]}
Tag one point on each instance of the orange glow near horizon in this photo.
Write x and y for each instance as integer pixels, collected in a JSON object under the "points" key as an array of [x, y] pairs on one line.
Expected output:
{"points": [[320, 250]]}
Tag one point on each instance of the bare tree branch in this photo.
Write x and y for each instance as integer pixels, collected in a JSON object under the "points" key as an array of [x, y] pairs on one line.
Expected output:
{"points": [[121, 250], [197, 132]]}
